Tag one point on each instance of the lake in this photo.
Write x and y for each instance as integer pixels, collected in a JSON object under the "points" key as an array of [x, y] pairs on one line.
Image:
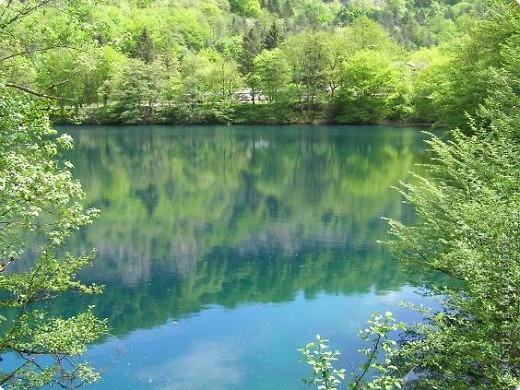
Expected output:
{"points": [[225, 249]]}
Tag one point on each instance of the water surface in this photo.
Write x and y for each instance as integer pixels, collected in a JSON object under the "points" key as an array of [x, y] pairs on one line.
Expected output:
{"points": [[225, 249]]}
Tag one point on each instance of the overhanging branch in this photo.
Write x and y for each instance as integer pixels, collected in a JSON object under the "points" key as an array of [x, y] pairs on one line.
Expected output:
{"points": [[3, 267], [29, 51], [35, 93]]}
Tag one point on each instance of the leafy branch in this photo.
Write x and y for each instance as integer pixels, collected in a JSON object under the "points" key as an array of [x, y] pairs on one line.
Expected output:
{"points": [[386, 374], [320, 358]]}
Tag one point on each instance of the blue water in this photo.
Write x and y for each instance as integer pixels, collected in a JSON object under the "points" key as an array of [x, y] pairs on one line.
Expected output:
{"points": [[253, 346], [225, 249]]}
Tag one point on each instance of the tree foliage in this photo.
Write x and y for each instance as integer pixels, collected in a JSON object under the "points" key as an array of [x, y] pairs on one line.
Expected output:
{"points": [[468, 75], [144, 47], [39, 208], [136, 89], [61, 49], [369, 88], [377, 363], [273, 74], [468, 228]]}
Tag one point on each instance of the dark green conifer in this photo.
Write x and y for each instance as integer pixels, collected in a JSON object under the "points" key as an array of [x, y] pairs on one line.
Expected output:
{"points": [[144, 48], [274, 6], [273, 37], [251, 46], [287, 10]]}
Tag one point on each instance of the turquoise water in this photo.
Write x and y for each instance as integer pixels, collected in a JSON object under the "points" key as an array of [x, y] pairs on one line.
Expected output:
{"points": [[225, 249]]}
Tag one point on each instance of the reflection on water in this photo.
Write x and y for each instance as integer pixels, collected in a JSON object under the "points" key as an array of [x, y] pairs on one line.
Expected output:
{"points": [[203, 224]]}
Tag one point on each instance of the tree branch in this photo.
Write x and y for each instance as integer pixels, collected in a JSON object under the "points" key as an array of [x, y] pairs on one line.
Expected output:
{"points": [[7, 5], [28, 51], [26, 10], [36, 93], [52, 86], [3, 267], [366, 366], [12, 374]]}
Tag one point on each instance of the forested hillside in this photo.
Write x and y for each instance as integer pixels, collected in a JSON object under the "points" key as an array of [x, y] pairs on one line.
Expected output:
{"points": [[245, 61]]}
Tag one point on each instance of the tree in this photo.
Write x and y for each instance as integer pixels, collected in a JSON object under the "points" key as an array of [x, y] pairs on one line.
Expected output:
{"points": [[365, 34], [39, 209], [34, 27], [314, 14], [337, 50], [144, 48], [287, 9], [469, 76], [428, 76], [75, 77], [249, 8], [274, 6], [222, 81], [206, 89], [190, 90], [469, 229], [137, 89], [273, 37], [369, 86], [272, 74], [306, 55], [251, 46]]}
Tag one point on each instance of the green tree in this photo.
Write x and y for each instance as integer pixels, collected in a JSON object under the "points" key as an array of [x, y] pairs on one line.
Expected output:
{"points": [[222, 81], [249, 8], [251, 46], [144, 48], [369, 87], [428, 77], [39, 209], [137, 89], [306, 55], [270, 79], [336, 54], [274, 6], [30, 31], [76, 78], [206, 89], [273, 37], [314, 14], [287, 9], [273, 74], [366, 34], [468, 76], [190, 89], [469, 229]]}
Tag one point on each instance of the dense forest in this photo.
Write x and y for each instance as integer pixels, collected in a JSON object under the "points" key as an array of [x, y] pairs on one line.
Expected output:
{"points": [[250, 61]]}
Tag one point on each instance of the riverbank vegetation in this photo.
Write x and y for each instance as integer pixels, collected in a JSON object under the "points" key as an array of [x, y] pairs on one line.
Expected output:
{"points": [[39, 209], [469, 229], [250, 61]]}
